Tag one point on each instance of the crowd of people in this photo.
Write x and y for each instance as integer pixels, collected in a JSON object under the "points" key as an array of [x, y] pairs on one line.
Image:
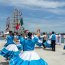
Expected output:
{"points": [[19, 49]]}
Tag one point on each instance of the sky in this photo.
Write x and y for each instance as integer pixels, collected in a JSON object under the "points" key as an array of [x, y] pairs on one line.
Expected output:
{"points": [[47, 15]]}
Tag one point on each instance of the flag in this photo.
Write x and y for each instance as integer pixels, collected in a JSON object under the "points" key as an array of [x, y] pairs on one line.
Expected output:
{"points": [[21, 21], [17, 26]]}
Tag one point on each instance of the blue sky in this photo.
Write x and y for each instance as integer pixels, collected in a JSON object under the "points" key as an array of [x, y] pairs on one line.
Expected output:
{"points": [[48, 15]]}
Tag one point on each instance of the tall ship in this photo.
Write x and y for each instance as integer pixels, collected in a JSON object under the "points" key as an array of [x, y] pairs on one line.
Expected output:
{"points": [[15, 22]]}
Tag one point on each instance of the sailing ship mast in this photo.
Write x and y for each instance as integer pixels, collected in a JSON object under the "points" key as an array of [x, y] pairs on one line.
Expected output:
{"points": [[14, 20], [17, 16], [8, 24]]}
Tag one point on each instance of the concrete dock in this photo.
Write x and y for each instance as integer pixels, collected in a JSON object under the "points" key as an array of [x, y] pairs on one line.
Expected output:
{"points": [[51, 57]]}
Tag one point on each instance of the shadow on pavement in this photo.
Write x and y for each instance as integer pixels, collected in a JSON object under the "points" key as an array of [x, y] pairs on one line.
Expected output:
{"points": [[63, 53], [38, 47], [48, 49]]}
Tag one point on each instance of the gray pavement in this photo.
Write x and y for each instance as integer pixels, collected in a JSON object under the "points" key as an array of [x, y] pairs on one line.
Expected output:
{"points": [[52, 58]]}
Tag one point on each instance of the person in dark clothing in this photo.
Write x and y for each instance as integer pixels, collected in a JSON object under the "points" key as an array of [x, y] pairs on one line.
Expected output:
{"points": [[44, 39], [53, 41]]}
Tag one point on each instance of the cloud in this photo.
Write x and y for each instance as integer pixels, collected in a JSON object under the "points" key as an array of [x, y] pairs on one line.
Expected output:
{"points": [[53, 6], [4, 2], [33, 24], [57, 11], [48, 12], [35, 3], [56, 0], [49, 5]]}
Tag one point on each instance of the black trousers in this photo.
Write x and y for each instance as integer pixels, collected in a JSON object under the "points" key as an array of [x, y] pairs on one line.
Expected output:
{"points": [[43, 43], [53, 45]]}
